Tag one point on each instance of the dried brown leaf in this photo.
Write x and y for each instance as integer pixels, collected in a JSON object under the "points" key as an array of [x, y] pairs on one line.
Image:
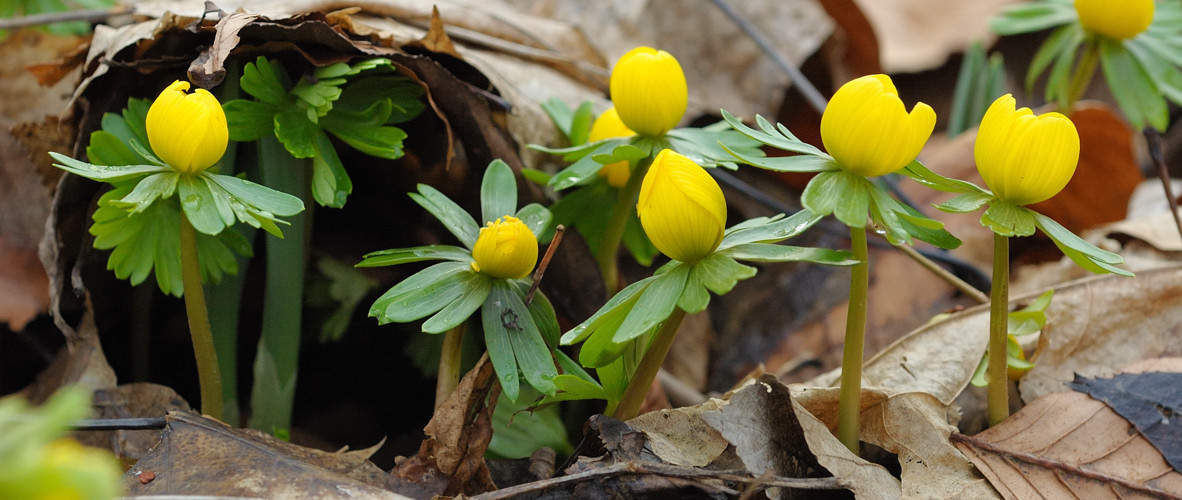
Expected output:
{"points": [[208, 70], [920, 34], [201, 456], [680, 436], [1068, 445], [1158, 230], [436, 39]]}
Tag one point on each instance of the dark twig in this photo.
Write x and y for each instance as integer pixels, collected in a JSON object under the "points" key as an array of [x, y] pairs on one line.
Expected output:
{"points": [[665, 470], [94, 15], [533, 287], [1154, 141], [1060, 467], [118, 424]]}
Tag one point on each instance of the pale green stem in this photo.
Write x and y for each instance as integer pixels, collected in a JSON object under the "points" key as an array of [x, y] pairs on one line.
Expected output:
{"points": [[1081, 78], [449, 364], [650, 364], [208, 373], [999, 384], [609, 246], [850, 395]]}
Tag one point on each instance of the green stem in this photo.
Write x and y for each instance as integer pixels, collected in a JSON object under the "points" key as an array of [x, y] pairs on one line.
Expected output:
{"points": [[999, 384], [1081, 78], [276, 362], [449, 364], [850, 396], [207, 358], [609, 246], [646, 371]]}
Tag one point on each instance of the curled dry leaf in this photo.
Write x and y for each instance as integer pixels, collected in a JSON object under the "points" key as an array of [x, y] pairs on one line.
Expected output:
{"points": [[1150, 398], [1068, 445], [680, 436]]}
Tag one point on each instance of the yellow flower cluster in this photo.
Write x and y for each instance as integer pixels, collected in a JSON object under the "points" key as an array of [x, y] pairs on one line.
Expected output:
{"points": [[187, 131], [505, 249], [649, 90], [681, 208], [869, 132], [1025, 158], [1120, 20]]}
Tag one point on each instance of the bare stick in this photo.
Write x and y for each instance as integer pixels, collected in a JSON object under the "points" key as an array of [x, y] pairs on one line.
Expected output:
{"points": [[60, 17], [533, 288], [1154, 141]]}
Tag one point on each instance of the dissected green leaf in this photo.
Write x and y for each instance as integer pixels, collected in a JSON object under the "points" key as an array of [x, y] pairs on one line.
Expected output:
{"points": [[436, 286], [1135, 92], [148, 190], [1032, 16], [655, 305], [105, 173], [613, 311], [415, 254], [1083, 253], [964, 203], [249, 120], [767, 252], [331, 185], [266, 81], [777, 137], [456, 312], [1008, 220], [584, 169], [519, 429], [768, 230]]}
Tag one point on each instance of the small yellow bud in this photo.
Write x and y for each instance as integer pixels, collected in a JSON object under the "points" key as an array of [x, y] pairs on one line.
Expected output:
{"points": [[869, 132], [609, 126], [187, 131], [681, 208], [1025, 158], [505, 249], [649, 91], [1118, 19]]}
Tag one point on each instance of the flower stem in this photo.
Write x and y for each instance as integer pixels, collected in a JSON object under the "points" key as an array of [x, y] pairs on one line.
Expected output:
{"points": [[850, 396], [999, 397], [208, 373], [609, 246], [1081, 78], [449, 364], [650, 364]]}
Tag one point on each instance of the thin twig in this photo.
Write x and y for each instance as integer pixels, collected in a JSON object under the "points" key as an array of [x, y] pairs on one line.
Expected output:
{"points": [[533, 287], [118, 424], [1060, 467], [658, 469], [957, 283], [1154, 141], [60, 17]]}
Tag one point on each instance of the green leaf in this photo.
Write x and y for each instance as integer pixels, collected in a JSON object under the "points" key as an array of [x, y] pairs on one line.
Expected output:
{"points": [[720, 273], [1132, 87], [105, 173], [964, 203], [297, 133], [636, 240], [712, 146], [614, 310], [824, 192], [107, 149], [334, 292], [694, 297], [768, 230], [544, 316], [1006, 219], [777, 137], [266, 82], [1032, 16], [561, 115], [623, 152], [798, 163], [922, 175], [536, 217], [415, 254], [456, 312], [853, 204], [405, 96], [574, 388], [258, 197], [1061, 45], [331, 185], [199, 205], [454, 218], [1083, 253], [907, 222], [364, 130], [422, 295], [536, 176], [249, 120], [656, 304], [767, 252], [148, 190], [1165, 76], [518, 430], [500, 346], [580, 124], [498, 191], [584, 169], [534, 357]]}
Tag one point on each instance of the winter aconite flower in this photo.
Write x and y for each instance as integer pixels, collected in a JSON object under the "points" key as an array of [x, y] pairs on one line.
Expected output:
{"points": [[649, 90], [1025, 158], [681, 208], [869, 132], [505, 249], [187, 130], [609, 126], [1118, 20]]}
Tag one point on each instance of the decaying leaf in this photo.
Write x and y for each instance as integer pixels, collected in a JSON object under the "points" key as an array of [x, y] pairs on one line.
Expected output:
{"points": [[773, 434], [1068, 445], [131, 401], [201, 456], [680, 436], [1158, 230], [1150, 400], [208, 70], [920, 34]]}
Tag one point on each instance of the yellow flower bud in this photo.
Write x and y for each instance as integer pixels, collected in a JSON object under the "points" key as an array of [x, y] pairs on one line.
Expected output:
{"points": [[681, 208], [505, 249], [869, 132], [649, 91], [609, 126], [1025, 158], [187, 131], [1118, 19]]}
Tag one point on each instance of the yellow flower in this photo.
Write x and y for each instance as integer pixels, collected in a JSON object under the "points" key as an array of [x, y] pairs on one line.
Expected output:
{"points": [[505, 249], [1025, 158], [869, 132], [1118, 19], [649, 91], [187, 131], [681, 208], [609, 126]]}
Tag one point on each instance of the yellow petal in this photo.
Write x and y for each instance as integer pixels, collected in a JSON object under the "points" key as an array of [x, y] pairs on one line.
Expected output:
{"points": [[187, 131], [681, 208], [505, 249], [649, 90], [1025, 158], [869, 132], [1118, 19]]}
